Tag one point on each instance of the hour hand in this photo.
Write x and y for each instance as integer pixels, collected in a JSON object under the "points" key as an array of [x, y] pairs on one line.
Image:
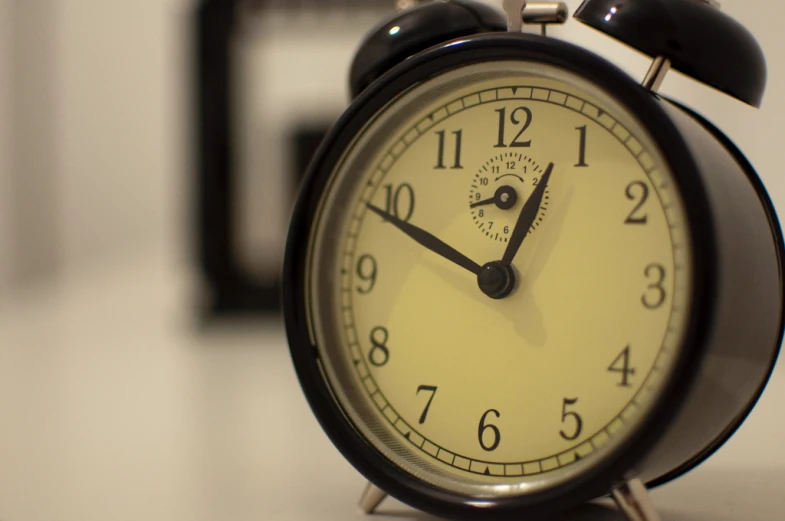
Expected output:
{"points": [[527, 217], [486, 202], [428, 240]]}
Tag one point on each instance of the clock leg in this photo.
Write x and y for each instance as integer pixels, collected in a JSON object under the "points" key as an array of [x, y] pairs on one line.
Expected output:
{"points": [[633, 499], [371, 498]]}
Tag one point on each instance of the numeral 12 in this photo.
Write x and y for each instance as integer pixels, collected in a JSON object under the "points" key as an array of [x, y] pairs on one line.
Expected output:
{"points": [[526, 122]]}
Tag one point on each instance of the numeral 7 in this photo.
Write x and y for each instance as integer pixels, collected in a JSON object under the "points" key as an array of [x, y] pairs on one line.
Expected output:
{"points": [[432, 390]]}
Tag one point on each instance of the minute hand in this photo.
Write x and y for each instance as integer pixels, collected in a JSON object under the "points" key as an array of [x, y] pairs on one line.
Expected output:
{"points": [[429, 241], [527, 217]]}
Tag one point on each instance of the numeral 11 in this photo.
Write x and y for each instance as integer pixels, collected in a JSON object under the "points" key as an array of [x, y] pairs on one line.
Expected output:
{"points": [[458, 142]]}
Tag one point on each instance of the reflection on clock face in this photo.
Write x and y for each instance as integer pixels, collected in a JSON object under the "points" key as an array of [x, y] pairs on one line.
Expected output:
{"points": [[526, 390]]}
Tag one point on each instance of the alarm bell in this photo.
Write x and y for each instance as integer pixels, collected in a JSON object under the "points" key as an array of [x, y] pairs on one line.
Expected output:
{"points": [[692, 36]]}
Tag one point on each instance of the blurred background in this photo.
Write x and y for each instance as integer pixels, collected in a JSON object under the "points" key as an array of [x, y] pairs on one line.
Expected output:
{"points": [[149, 157]]}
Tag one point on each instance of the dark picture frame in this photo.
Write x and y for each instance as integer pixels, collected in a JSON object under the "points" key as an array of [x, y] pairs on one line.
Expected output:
{"points": [[228, 288]]}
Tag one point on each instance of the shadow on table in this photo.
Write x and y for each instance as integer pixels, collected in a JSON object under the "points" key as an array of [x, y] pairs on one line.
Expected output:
{"points": [[717, 495], [588, 512]]}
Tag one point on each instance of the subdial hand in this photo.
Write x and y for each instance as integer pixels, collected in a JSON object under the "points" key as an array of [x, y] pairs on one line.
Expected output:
{"points": [[504, 198], [527, 217], [429, 241]]}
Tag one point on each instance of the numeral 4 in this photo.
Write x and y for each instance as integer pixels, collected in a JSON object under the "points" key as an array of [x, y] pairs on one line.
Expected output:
{"points": [[621, 365]]}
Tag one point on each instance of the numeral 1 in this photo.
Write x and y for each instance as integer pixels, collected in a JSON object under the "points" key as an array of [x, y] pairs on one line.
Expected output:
{"points": [[458, 142], [582, 147]]}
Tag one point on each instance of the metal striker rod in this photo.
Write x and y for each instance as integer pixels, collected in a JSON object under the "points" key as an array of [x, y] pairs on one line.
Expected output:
{"points": [[514, 10], [520, 12], [657, 72]]}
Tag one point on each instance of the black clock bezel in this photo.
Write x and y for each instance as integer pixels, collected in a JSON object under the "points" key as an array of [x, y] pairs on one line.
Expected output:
{"points": [[470, 50]]}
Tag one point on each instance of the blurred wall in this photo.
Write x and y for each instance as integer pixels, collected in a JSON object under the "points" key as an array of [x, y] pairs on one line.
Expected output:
{"points": [[122, 96], [33, 159], [92, 163], [100, 164], [5, 148]]}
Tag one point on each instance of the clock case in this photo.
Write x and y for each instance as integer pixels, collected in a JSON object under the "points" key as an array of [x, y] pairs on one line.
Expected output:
{"points": [[735, 322]]}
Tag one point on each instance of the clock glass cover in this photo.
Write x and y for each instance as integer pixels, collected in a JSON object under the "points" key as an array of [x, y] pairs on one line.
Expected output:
{"points": [[502, 393]]}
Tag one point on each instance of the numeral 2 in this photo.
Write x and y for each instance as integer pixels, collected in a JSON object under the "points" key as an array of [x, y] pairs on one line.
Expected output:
{"points": [[634, 217], [515, 121]]}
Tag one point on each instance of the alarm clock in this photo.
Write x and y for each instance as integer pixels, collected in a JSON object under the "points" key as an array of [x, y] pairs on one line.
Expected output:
{"points": [[518, 279]]}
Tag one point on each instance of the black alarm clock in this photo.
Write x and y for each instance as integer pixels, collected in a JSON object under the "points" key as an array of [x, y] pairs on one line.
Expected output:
{"points": [[517, 279]]}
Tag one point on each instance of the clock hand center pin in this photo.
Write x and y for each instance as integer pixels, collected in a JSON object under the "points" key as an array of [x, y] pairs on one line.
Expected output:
{"points": [[504, 198]]}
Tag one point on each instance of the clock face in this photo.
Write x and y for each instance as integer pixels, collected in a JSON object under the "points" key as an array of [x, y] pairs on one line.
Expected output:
{"points": [[499, 278]]}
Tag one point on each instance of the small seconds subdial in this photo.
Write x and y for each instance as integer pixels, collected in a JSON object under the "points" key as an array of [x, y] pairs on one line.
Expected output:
{"points": [[500, 189]]}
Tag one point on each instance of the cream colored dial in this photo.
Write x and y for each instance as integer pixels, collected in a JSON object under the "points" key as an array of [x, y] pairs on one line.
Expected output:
{"points": [[465, 390]]}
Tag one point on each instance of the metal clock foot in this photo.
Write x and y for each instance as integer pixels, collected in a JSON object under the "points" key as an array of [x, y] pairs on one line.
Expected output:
{"points": [[371, 498], [633, 499]]}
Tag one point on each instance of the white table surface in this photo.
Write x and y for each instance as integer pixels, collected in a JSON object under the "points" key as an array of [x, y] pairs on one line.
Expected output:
{"points": [[114, 406]]}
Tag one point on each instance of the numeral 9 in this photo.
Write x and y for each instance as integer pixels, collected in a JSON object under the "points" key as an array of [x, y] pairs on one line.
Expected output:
{"points": [[366, 272]]}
